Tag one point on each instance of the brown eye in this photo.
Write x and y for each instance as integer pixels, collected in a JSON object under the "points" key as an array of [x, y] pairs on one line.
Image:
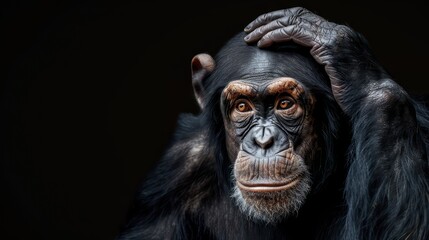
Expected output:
{"points": [[284, 104], [243, 106]]}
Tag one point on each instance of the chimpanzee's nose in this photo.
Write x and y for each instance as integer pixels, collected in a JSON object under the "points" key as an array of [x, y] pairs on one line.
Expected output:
{"points": [[264, 137]]}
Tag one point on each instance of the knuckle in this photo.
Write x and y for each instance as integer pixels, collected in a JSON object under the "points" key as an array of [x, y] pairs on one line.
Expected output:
{"points": [[268, 36], [259, 19], [285, 11], [284, 32], [259, 31], [299, 10], [280, 23], [295, 31], [264, 17], [298, 21], [296, 17]]}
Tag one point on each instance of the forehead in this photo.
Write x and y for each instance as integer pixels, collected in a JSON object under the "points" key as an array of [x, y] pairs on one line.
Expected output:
{"points": [[259, 66], [261, 62]]}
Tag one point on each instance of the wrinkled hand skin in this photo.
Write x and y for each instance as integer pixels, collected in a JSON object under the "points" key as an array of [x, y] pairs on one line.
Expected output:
{"points": [[344, 52]]}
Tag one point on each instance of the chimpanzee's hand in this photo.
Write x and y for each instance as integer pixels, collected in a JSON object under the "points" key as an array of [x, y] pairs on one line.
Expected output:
{"points": [[344, 53]]}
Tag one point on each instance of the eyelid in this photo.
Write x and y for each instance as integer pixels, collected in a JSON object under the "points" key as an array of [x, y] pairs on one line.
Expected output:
{"points": [[242, 99], [285, 97]]}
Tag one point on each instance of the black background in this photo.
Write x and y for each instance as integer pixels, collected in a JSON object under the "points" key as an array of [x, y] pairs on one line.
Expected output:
{"points": [[91, 92]]}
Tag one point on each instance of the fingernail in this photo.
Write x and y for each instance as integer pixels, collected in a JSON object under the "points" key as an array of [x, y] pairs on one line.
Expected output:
{"points": [[247, 28], [246, 38]]}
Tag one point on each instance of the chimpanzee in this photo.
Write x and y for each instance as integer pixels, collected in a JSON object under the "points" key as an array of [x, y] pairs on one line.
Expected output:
{"points": [[301, 136]]}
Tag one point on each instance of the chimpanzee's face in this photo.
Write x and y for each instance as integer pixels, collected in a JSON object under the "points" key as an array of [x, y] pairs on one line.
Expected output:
{"points": [[271, 141]]}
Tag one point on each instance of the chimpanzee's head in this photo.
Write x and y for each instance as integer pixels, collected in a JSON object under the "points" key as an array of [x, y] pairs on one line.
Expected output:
{"points": [[275, 106]]}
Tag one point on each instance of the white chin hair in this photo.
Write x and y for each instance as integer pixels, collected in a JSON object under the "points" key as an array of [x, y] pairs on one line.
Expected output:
{"points": [[271, 207]]}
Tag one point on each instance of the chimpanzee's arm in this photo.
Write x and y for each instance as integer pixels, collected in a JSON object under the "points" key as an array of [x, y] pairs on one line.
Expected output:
{"points": [[387, 188]]}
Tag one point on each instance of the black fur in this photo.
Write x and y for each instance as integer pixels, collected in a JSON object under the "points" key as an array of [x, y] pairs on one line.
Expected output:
{"points": [[357, 193]]}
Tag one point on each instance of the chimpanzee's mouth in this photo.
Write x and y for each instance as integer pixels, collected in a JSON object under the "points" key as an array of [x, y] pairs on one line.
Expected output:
{"points": [[267, 186]]}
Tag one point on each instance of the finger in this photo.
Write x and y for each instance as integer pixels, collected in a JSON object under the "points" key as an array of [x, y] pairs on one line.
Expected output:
{"points": [[259, 32], [269, 17], [296, 33], [306, 18], [264, 19]]}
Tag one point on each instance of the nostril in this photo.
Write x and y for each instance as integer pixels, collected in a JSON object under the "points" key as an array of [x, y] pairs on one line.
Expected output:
{"points": [[265, 143]]}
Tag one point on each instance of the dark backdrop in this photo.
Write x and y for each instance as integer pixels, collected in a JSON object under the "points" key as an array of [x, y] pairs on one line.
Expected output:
{"points": [[91, 93]]}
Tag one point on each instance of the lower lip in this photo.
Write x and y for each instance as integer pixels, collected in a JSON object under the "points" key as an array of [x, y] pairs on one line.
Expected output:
{"points": [[267, 187]]}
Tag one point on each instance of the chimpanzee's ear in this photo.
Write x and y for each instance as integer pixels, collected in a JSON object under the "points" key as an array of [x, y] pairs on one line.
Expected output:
{"points": [[201, 65]]}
